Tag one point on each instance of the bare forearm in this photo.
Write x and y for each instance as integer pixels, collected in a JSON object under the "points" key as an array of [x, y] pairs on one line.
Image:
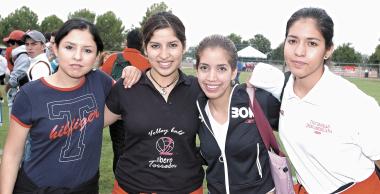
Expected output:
{"points": [[8, 172], [13, 151]]}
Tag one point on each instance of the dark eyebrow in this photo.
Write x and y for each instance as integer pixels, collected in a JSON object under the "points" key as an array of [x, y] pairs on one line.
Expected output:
{"points": [[72, 43], [316, 39], [311, 38], [218, 65], [174, 41]]}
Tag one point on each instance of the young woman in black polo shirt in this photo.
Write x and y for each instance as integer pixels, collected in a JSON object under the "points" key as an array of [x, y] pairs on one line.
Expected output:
{"points": [[160, 118], [237, 159]]}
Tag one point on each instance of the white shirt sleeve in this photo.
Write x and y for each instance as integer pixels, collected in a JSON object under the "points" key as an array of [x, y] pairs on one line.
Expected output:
{"points": [[368, 127], [268, 78], [40, 70]]}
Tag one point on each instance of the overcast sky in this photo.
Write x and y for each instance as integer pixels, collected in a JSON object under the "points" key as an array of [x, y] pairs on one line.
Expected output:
{"points": [[356, 22]]}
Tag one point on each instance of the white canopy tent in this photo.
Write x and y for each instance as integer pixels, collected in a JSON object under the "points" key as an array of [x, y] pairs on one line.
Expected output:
{"points": [[250, 52]]}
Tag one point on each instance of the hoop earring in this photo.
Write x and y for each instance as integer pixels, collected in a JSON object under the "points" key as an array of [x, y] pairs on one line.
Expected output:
{"points": [[325, 57]]}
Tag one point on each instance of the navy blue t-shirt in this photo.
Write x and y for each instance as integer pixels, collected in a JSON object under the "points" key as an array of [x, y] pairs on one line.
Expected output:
{"points": [[66, 127]]}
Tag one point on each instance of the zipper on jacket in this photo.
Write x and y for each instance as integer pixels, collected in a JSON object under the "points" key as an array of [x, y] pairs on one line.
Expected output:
{"points": [[223, 153], [258, 161], [203, 120]]}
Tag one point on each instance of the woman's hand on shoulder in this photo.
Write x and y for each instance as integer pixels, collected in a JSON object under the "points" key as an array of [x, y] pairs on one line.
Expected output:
{"points": [[131, 75]]}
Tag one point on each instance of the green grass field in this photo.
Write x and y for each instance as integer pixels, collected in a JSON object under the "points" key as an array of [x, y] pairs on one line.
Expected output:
{"points": [[371, 87]]}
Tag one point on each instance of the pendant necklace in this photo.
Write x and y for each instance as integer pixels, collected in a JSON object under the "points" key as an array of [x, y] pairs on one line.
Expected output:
{"points": [[163, 88]]}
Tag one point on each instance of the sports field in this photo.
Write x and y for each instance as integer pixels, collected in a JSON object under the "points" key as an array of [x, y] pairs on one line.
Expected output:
{"points": [[370, 86]]}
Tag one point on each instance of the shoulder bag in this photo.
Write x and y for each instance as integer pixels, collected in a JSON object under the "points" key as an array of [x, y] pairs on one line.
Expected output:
{"points": [[280, 170]]}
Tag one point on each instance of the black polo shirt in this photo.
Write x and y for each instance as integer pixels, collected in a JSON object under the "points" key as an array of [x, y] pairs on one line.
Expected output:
{"points": [[160, 153]]}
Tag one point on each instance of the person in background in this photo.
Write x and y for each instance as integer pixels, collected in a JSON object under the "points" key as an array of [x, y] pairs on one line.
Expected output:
{"points": [[52, 58], [3, 69], [102, 58], [48, 48], [237, 159], [160, 117], [19, 64], [329, 127], [113, 66], [8, 56], [239, 69], [132, 54], [39, 63]]}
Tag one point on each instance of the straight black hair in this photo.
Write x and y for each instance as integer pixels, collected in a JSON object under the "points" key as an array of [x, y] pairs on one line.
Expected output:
{"points": [[163, 20], [324, 22], [79, 24], [134, 39]]}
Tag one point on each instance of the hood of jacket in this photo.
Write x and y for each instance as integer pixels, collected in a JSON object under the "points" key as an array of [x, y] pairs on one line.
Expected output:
{"points": [[18, 50], [244, 155]]}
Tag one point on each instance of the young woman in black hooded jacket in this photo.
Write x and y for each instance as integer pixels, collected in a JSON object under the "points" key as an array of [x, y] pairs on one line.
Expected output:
{"points": [[231, 144]]}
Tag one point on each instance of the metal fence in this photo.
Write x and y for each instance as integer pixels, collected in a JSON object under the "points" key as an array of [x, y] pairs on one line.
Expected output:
{"points": [[342, 69]]}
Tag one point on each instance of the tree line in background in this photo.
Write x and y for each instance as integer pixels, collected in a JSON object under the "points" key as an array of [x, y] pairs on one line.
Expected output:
{"points": [[113, 33], [344, 53], [110, 27]]}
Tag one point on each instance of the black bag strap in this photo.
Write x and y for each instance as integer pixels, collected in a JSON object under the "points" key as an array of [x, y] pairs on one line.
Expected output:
{"points": [[262, 123], [14, 58], [119, 58], [118, 65], [287, 75], [48, 65]]}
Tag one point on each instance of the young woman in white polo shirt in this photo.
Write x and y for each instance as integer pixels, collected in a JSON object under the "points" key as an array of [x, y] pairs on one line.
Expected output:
{"points": [[329, 127]]}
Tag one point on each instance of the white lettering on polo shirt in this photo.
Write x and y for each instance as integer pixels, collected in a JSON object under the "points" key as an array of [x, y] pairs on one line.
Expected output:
{"points": [[242, 112]]}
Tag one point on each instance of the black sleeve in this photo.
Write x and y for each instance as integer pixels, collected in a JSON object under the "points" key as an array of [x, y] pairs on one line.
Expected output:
{"points": [[113, 97], [270, 106]]}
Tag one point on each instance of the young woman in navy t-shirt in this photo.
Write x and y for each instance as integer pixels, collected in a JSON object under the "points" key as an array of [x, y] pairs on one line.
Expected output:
{"points": [[63, 114]]}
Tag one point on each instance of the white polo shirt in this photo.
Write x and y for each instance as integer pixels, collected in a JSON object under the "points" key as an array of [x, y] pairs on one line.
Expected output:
{"points": [[331, 135]]}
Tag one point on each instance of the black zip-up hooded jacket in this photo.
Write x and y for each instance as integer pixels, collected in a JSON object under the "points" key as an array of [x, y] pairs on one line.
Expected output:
{"points": [[245, 155]]}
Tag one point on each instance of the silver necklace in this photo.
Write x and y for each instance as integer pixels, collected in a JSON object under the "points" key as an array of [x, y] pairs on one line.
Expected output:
{"points": [[163, 88]]}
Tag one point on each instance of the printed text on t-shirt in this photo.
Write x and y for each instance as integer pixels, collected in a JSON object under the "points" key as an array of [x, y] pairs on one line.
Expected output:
{"points": [[160, 131], [70, 126]]}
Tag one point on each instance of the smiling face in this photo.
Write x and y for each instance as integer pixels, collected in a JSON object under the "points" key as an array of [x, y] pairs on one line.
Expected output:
{"points": [[164, 51], [77, 54], [215, 73], [305, 49]]}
